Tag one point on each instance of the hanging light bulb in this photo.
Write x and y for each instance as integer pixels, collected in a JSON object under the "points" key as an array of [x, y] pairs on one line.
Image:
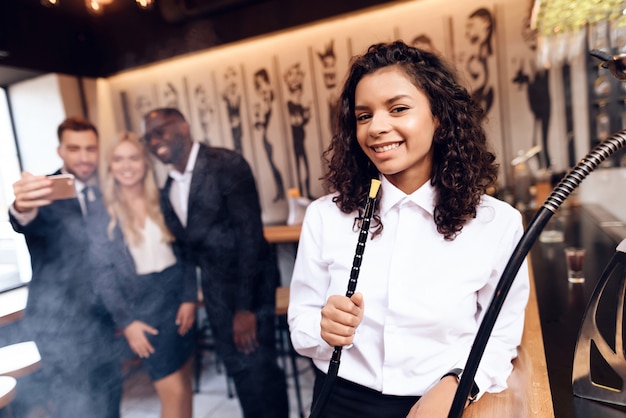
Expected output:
{"points": [[144, 4], [50, 3], [93, 7], [96, 6]]}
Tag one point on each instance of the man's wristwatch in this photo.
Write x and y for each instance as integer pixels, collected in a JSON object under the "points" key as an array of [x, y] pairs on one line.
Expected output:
{"points": [[473, 391]]}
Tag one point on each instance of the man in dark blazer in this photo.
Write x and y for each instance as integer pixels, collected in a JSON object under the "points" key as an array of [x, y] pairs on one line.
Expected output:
{"points": [[80, 374], [210, 203]]}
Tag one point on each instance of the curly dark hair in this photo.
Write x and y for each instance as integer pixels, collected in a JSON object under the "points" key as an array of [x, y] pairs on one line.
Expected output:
{"points": [[463, 166]]}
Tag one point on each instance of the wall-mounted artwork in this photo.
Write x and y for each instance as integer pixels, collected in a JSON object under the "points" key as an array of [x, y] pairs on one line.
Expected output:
{"points": [[330, 58], [134, 102], [269, 136], [298, 98], [475, 54], [172, 92], [532, 97], [203, 111], [233, 110]]}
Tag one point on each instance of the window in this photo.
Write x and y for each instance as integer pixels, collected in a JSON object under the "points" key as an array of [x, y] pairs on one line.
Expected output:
{"points": [[14, 258]]}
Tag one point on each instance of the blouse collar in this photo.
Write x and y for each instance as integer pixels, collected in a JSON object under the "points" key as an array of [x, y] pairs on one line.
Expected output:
{"points": [[423, 197]]}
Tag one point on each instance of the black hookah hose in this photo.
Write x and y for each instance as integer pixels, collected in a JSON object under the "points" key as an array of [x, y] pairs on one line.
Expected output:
{"points": [[596, 156], [333, 367]]}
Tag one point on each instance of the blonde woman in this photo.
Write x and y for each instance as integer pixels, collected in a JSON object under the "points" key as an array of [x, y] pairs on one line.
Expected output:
{"points": [[149, 291]]}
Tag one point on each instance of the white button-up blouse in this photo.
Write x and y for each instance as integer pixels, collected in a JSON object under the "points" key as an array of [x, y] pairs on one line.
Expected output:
{"points": [[424, 297]]}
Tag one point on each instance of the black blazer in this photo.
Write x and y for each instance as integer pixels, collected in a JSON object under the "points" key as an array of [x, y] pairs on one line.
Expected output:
{"points": [[224, 234], [116, 280], [61, 298]]}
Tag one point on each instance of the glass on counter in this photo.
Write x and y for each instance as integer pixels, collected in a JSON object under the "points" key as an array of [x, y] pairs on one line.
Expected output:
{"points": [[574, 259]]}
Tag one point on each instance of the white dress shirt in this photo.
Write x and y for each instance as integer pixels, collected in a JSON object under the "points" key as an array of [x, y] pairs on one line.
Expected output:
{"points": [[179, 190], [424, 297], [152, 254]]}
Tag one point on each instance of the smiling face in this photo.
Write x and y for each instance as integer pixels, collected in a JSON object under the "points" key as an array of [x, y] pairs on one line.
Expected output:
{"points": [[395, 127], [127, 165], [79, 152], [168, 138]]}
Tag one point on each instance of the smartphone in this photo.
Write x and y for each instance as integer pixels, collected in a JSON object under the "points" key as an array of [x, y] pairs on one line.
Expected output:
{"points": [[62, 187]]}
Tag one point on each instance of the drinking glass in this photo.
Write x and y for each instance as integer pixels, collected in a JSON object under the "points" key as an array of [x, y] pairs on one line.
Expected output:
{"points": [[574, 258]]}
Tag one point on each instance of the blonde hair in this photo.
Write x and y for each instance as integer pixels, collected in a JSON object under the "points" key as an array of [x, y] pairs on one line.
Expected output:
{"points": [[117, 207]]}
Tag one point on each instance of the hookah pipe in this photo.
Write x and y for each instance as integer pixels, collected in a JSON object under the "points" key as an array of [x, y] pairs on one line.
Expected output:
{"points": [[333, 367], [617, 66]]}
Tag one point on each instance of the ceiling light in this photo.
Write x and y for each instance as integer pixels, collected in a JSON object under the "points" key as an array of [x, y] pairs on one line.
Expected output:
{"points": [[145, 4], [50, 3], [94, 6]]}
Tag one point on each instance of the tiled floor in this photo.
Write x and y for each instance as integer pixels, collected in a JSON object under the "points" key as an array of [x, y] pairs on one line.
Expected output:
{"points": [[141, 401]]}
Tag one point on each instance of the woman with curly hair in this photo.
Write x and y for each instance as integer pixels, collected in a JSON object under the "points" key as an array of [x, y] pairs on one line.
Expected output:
{"points": [[147, 287], [437, 247]]}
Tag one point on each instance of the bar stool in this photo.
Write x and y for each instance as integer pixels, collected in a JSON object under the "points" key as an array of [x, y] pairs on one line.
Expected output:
{"points": [[20, 359], [12, 305], [282, 328], [7, 393], [16, 360]]}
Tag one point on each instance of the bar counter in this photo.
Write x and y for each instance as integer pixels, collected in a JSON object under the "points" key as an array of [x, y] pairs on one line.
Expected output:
{"points": [[528, 394], [563, 304]]}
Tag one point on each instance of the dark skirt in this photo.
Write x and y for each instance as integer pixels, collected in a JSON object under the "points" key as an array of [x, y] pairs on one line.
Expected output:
{"points": [[157, 304]]}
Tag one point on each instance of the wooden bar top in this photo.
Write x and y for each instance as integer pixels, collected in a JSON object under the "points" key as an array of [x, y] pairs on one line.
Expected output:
{"points": [[277, 234], [529, 393]]}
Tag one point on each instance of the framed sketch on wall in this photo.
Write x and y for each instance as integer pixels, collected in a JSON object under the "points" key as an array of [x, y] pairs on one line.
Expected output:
{"points": [[172, 92], [330, 58], [298, 99], [535, 101], [269, 137], [233, 111], [203, 111], [134, 102], [475, 54]]}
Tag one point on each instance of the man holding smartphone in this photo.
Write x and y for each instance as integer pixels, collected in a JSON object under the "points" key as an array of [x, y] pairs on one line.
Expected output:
{"points": [[80, 374]]}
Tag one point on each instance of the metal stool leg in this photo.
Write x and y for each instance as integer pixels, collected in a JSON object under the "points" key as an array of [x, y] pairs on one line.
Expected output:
{"points": [[288, 350], [296, 380]]}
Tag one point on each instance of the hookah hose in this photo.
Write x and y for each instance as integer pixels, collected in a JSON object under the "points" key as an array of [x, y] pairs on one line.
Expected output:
{"points": [[600, 153], [333, 367]]}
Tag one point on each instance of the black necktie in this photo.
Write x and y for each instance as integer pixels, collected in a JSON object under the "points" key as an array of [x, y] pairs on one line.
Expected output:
{"points": [[89, 198]]}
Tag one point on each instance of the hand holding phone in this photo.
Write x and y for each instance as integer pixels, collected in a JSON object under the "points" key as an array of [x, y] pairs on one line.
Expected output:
{"points": [[62, 187]]}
